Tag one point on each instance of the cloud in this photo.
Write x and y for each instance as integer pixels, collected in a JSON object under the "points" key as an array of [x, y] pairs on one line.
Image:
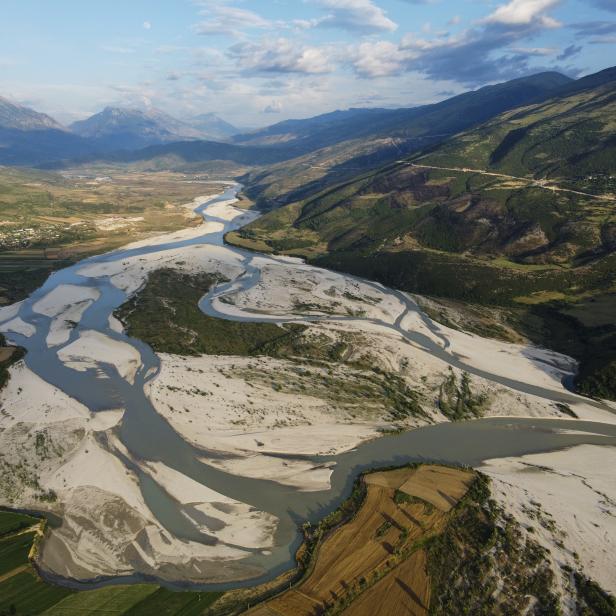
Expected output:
{"points": [[273, 107], [279, 56], [486, 53], [535, 51], [597, 32], [147, 25], [379, 59], [569, 52], [492, 50], [594, 28], [524, 13], [355, 15], [224, 19]]}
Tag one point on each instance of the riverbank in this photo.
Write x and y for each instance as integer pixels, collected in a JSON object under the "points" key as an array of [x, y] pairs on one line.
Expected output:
{"points": [[209, 482]]}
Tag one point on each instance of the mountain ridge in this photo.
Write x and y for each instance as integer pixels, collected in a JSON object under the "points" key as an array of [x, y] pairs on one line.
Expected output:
{"points": [[516, 213], [19, 117]]}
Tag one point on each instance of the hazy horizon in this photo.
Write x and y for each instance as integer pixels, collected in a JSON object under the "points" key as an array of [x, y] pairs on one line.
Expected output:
{"points": [[255, 63]]}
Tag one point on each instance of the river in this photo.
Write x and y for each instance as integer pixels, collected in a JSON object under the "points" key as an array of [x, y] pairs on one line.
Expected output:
{"points": [[147, 436]]}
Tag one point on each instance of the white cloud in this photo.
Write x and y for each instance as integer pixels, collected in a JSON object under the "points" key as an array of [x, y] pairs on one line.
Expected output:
{"points": [[273, 107], [524, 13], [280, 56], [147, 25], [224, 19], [358, 15], [379, 59]]}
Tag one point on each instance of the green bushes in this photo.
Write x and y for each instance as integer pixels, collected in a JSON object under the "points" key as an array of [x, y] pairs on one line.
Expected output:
{"points": [[457, 401], [480, 546], [165, 314], [592, 600]]}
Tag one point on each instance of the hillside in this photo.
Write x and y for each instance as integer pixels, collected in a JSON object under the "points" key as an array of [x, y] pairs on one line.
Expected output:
{"points": [[454, 222], [294, 158], [19, 117], [570, 140], [339, 145]]}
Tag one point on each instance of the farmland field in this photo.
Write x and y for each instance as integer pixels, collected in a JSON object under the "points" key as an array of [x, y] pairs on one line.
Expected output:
{"points": [[24, 593]]}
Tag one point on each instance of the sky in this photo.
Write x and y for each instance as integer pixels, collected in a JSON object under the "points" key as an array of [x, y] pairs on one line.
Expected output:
{"points": [[255, 62]]}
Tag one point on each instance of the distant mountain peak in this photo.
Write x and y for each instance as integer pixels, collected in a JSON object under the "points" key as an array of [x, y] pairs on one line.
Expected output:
{"points": [[131, 127], [213, 126], [19, 117]]}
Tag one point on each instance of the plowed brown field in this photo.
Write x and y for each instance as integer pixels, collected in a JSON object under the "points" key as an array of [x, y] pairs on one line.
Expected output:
{"points": [[374, 563]]}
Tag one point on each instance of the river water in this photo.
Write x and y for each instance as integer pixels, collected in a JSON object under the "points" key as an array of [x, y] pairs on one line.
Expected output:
{"points": [[147, 436]]}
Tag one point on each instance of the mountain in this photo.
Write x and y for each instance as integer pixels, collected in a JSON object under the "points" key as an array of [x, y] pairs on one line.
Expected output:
{"points": [[307, 155], [516, 213], [335, 146], [322, 129], [334, 127], [213, 128], [118, 128], [28, 137], [321, 150], [17, 117], [184, 154]]}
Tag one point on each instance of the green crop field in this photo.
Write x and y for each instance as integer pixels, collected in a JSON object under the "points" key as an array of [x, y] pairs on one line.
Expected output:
{"points": [[11, 522], [164, 602], [25, 595], [14, 551], [111, 600]]}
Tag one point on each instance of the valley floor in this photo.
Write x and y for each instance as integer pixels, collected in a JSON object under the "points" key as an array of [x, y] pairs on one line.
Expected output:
{"points": [[265, 416]]}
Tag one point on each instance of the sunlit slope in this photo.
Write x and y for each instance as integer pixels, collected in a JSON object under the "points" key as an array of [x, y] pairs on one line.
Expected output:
{"points": [[570, 140], [339, 145], [525, 222]]}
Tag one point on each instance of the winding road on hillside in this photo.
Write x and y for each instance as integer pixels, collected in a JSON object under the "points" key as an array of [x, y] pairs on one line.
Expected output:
{"points": [[545, 184]]}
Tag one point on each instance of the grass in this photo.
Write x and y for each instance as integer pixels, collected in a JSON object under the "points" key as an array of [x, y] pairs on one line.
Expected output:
{"points": [[164, 602], [50, 220], [592, 599], [165, 314], [480, 546], [457, 401], [14, 551], [10, 355], [111, 600], [26, 595], [11, 522]]}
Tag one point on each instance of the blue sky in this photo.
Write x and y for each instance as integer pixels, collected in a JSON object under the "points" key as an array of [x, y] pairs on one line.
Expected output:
{"points": [[255, 62]]}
